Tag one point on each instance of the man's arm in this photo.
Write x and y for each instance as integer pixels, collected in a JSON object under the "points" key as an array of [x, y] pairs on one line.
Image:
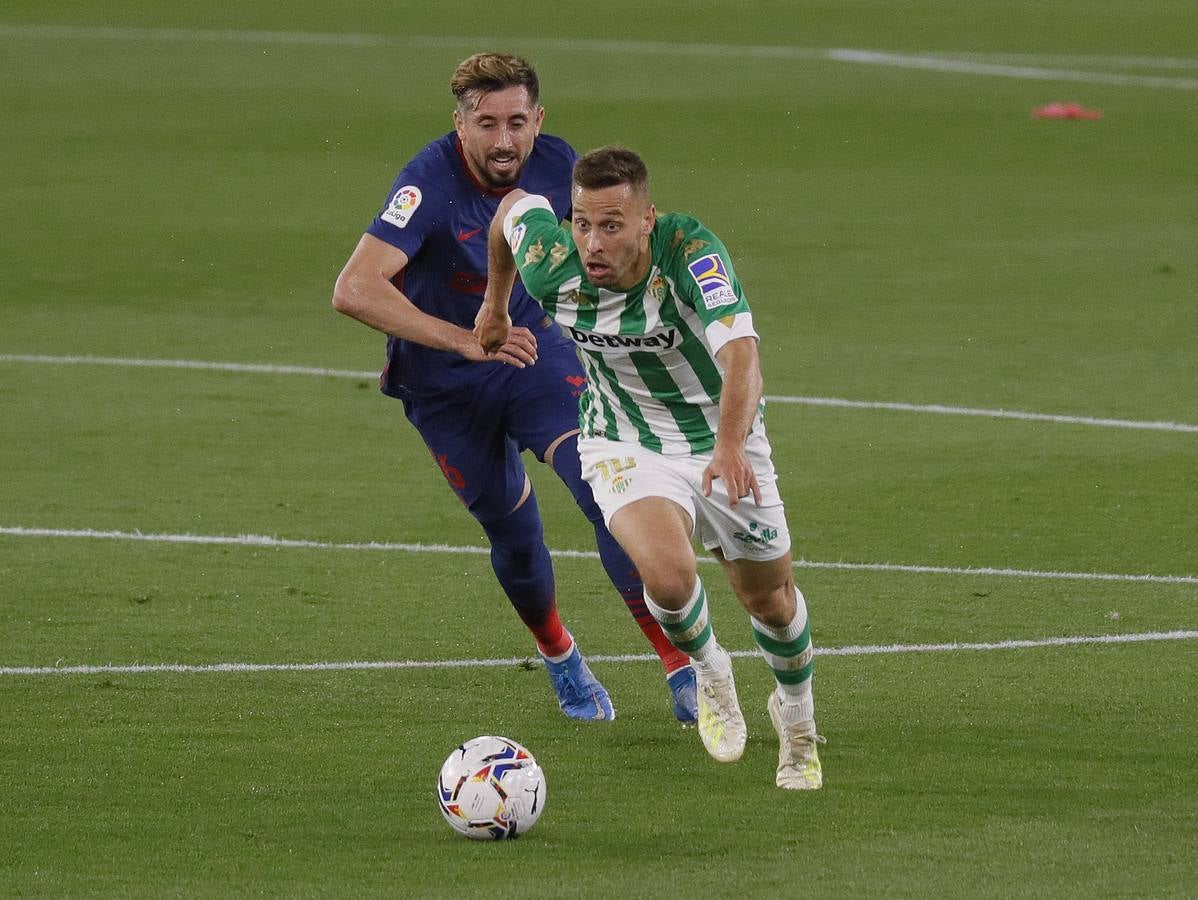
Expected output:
{"points": [[492, 325], [739, 399], [364, 292]]}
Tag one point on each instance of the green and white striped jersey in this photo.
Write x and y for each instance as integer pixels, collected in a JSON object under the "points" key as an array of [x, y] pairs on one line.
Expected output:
{"points": [[649, 353]]}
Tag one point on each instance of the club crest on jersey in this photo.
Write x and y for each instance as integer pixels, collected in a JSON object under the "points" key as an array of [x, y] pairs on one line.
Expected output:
{"points": [[712, 278], [403, 204], [657, 288]]}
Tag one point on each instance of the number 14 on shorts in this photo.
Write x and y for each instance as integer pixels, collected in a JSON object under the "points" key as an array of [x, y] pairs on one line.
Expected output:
{"points": [[612, 472]]}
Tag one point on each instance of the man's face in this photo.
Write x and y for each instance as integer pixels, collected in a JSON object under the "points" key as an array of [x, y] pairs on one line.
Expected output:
{"points": [[497, 134], [611, 228]]}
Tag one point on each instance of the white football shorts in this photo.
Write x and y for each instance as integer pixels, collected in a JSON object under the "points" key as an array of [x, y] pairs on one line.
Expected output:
{"points": [[621, 473]]}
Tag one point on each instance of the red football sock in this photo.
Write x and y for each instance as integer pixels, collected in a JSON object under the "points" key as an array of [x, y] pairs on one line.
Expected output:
{"points": [[552, 637]]}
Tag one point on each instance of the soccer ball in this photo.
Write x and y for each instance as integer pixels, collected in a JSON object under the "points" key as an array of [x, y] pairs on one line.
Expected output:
{"points": [[491, 788]]}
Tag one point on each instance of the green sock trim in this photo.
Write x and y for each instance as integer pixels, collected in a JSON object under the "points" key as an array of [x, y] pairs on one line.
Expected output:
{"points": [[794, 676], [700, 605], [784, 648], [689, 646]]}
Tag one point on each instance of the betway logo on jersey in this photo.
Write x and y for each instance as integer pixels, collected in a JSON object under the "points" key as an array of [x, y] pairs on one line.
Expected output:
{"points": [[653, 342]]}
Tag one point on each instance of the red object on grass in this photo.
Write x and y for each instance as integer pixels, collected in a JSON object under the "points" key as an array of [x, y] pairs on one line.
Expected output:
{"points": [[1065, 111]]}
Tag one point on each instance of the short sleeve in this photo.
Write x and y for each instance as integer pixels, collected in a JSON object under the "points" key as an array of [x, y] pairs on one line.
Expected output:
{"points": [[709, 282], [542, 248], [409, 216], [729, 328]]}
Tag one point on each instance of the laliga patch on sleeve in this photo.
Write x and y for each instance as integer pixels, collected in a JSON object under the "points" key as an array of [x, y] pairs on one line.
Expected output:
{"points": [[712, 278], [517, 236], [405, 202]]}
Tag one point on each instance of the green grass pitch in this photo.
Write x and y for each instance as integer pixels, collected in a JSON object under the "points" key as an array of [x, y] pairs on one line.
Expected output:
{"points": [[183, 183]]}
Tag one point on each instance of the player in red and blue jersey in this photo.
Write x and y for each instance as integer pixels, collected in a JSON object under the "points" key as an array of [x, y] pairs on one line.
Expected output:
{"points": [[419, 275]]}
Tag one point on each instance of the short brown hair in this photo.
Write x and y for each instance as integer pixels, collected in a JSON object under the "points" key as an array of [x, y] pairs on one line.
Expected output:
{"points": [[484, 73], [609, 166]]}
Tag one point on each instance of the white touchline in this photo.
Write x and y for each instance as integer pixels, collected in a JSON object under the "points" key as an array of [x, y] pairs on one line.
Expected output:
{"points": [[199, 364], [932, 408], [938, 62], [1029, 73], [865, 650], [1072, 59], [941, 409], [262, 540]]}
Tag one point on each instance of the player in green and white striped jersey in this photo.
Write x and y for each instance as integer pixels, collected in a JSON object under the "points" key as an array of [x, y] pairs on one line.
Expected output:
{"points": [[673, 436], [650, 351]]}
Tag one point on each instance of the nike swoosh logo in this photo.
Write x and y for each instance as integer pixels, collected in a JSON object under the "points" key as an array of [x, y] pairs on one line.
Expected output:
{"points": [[467, 235]]}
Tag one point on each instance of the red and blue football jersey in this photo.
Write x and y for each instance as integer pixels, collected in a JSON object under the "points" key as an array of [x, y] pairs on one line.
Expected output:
{"points": [[438, 214]]}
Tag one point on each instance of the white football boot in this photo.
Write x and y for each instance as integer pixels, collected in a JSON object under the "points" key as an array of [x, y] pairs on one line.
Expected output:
{"points": [[798, 762], [721, 724]]}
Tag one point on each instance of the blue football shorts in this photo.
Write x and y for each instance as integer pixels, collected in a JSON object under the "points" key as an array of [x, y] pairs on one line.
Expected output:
{"points": [[476, 435]]}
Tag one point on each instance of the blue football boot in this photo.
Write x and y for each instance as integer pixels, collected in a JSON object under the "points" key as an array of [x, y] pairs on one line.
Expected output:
{"points": [[682, 691], [579, 693]]}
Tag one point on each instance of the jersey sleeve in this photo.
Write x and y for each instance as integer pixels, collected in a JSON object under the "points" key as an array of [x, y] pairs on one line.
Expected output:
{"points": [[410, 215], [708, 284], [543, 249]]}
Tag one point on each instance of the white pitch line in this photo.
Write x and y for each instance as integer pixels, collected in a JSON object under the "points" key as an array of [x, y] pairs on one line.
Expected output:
{"points": [[941, 409], [865, 650], [261, 540], [834, 402], [935, 63], [1028, 73], [203, 365], [1075, 59]]}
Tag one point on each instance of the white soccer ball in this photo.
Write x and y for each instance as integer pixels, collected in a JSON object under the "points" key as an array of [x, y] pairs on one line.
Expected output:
{"points": [[491, 788]]}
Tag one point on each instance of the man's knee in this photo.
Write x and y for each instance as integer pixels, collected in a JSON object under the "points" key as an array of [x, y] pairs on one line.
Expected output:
{"points": [[669, 574], [520, 531], [772, 603], [655, 532], [669, 587]]}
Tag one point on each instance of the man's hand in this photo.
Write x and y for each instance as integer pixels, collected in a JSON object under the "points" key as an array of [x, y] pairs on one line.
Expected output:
{"points": [[498, 341], [492, 326], [493, 331], [738, 408], [732, 465]]}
